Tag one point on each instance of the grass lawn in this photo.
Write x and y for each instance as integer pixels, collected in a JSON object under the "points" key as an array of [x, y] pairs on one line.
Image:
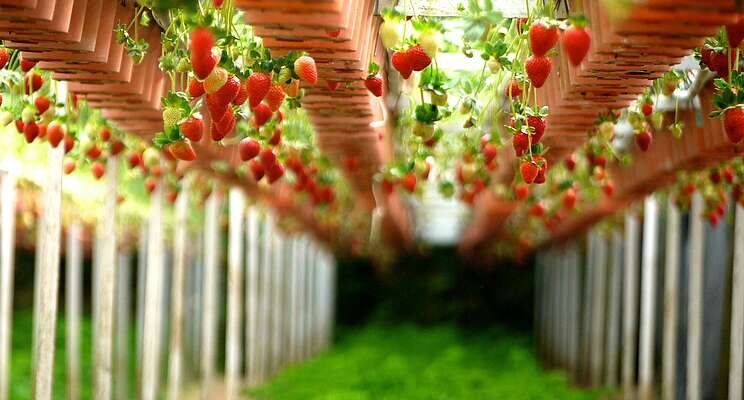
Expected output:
{"points": [[409, 363]]}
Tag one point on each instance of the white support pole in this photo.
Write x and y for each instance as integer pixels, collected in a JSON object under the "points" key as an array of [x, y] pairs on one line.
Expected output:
{"points": [[310, 275], [277, 305], [153, 308], [736, 369], [301, 303], [73, 307], [7, 248], [122, 328], [48, 279], [553, 311], [537, 304], [575, 320], [265, 293], [671, 303], [695, 299], [176, 348], [648, 297], [251, 344], [565, 306], [630, 304], [293, 306], [586, 329], [234, 293], [209, 316], [103, 342], [144, 236], [613, 318], [598, 272]]}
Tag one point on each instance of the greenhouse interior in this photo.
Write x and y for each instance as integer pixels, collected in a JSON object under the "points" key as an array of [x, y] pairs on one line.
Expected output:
{"points": [[371, 199]]}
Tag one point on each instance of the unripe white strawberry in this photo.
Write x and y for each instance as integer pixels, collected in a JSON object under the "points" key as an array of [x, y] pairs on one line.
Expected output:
{"points": [[28, 114], [215, 80], [391, 33], [171, 116], [151, 157], [606, 130], [5, 118], [494, 65], [430, 42], [468, 171]]}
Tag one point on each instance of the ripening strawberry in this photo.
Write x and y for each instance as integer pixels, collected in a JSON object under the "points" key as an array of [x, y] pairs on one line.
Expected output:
{"points": [[32, 82], [373, 83], [55, 133], [248, 149], [513, 89], [261, 114], [242, 94], [418, 58], [105, 134], [30, 131], [19, 124], [42, 130], [97, 169], [521, 191], [4, 57], [196, 88], [202, 41], [27, 65], [409, 182], [182, 150], [215, 80], [229, 90], [733, 123], [224, 126], [117, 146], [276, 138], [292, 89], [643, 140], [192, 128], [306, 70], [267, 157], [150, 185], [528, 170], [542, 37], [576, 42], [569, 199], [204, 65], [521, 143], [69, 166], [489, 152], [134, 159], [42, 104], [274, 172], [257, 170], [542, 169], [69, 143], [538, 68], [258, 87], [275, 97], [216, 108]]}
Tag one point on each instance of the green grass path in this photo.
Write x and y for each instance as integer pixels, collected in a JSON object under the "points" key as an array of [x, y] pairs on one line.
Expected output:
{"points": [[409, 363]]}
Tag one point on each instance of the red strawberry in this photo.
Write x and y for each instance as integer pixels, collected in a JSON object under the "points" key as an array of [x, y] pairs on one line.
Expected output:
{"points": [[31, 131], [733, 123], [570, 162], [217, 3], [150, 185], [258, 87], [42, 130], [203, 65], [489, 152], [351, 163], [93, 152], [521, 191], [295, 165], [374, 85], [226, 124], [274, 172], [97, 169], [196, 88], [418, 58], [714, 218], [19, 125], [134, 159], [521, 143], [647, 109], [719, 63], [55, 133], [728, 174], [576, 42], [202, 41], [4, 57], [513, 89], [69, 166], [105, 134], [268, 157], [734, 32], [227, 93], [217, 109], [193, 128], [33, 82], [257, 169], [608, 188], [27, 65], [275, 97], [42, 104], [242, 94], [276, 138], [715, 176], [332, 85], [387, 186], [305, 68], [261, 114], [409, 182], [542, 169], [542, 38], [569, 198], [538, 124], [538, 68], [537, 209], [248, 149], [69, 143], [529, 171], [402, 63], [643, 140], [117, 146], [182, 151]]}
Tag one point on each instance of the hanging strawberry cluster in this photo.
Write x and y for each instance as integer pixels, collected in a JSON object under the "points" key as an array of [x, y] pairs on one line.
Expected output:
{"points": [[721, 55], [714, 185]]}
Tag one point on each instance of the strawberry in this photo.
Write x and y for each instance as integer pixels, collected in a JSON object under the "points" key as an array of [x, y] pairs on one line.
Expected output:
{"points": [[542, 38], [97, 169], [202, 41], [513, 89], [150, 185], [276, 138], [42, 130], [224, 126], [570, 162], [117, 146], [227, 93], [734, 32], [196, 88], [274, 172], [69, 166], [19, 124], [538, 125], [489, 152], [733, 123], [576, 42], [33, 82], [391, 32], [608, 188], [42, 104], [275, 97], [728, 174], [647, 108], [295, 165], [261, 114], [643, 140], [715, 176], [4, 57], [521, 143], [387, 186], [27, 65], [719, 63], [568, 199], [542, 169], [418, 58], [69, 143], [55, 133], [258, 87], [215, 80], [204, 65], [538, 68], [248, 149], [134, 159], [171, 116], [193, 128], [430, 41], [402, 63], [333, 33], [409, 182], [521, 191], [242, 94], [714, 218], [217, 3], [257, 170], [529, 171], [105, 134], [374, 85], [182, 150], [30, 131], [332, 85], [268, 157], [93, 152], [537, 209], [292, 89], [217, 109], [305, 69]]}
